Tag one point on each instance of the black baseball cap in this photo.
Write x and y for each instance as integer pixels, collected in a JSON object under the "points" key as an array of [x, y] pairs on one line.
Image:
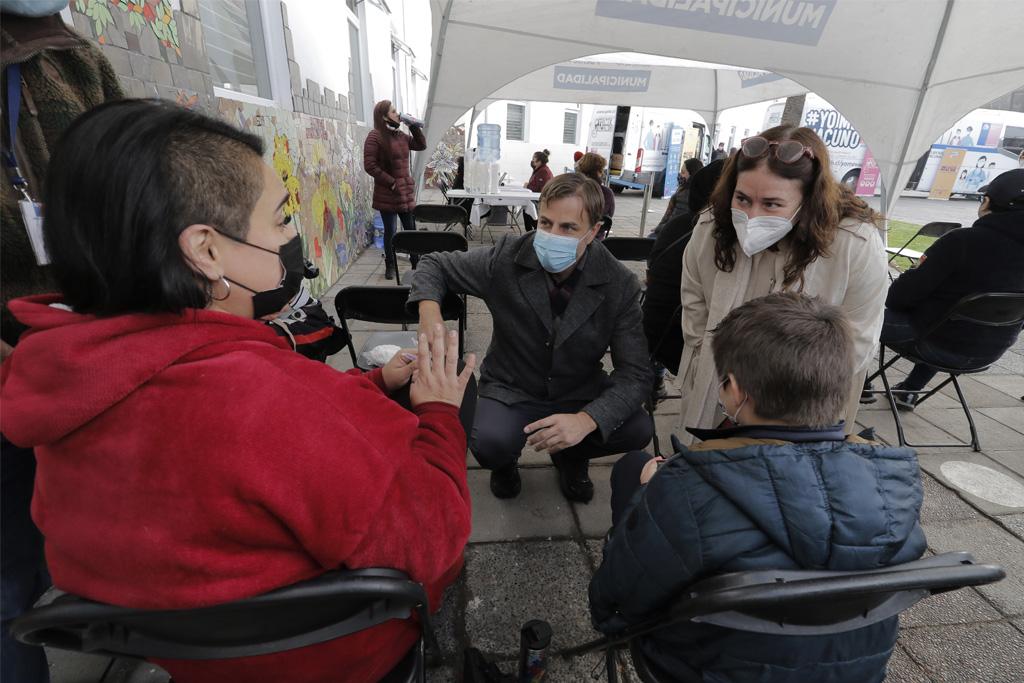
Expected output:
{"points": [[1006, 191]]}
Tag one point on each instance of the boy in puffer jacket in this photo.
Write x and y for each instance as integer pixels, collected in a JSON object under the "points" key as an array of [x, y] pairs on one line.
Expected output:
{"points": [[782, 489]]}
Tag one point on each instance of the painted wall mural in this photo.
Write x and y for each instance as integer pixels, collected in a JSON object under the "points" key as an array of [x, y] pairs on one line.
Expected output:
{"points": [[320, 162], [158, 15]]}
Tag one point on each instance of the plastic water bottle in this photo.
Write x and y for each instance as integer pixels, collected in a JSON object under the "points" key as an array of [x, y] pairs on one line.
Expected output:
{"points": [[488, 142], [492, 177], [378, 231], [469, 167], [410, 120]]}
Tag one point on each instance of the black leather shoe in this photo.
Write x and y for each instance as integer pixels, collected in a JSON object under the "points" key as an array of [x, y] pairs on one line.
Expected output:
{"points": [[389, 272], [573, 478], [903, 400], [505, 482], [865, 397]]}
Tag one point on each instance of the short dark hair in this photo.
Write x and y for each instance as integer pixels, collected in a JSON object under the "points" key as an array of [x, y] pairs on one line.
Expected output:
{"points": [[570, 184], [124, 181], [792, 353]]}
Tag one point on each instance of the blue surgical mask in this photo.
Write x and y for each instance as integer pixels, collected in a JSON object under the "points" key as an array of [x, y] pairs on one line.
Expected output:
{"points": [[32, 8], [555, 252]]}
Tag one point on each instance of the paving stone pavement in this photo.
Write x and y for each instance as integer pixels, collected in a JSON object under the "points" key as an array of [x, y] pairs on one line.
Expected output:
{"points": [[533, 557]]}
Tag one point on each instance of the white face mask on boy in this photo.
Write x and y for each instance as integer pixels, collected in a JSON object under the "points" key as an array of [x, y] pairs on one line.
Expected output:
{"points": [[758, 233]]}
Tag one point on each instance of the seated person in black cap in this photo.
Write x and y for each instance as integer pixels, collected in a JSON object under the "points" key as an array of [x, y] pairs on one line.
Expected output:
{"points": [[987, 257]]}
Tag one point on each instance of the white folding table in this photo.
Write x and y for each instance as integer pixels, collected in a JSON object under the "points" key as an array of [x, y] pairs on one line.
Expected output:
{"points": [[522, 200]]}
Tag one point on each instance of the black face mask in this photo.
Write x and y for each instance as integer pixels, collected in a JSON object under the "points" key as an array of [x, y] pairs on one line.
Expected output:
{"points": [[273, 300], [391, 123]]}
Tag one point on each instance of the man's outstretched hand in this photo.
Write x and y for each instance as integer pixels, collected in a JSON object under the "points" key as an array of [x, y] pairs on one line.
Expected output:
{"points": [[560, 431]]}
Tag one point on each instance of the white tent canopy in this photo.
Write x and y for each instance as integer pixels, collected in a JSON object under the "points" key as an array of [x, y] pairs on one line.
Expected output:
{"points": [[902, 71], [704, 89]]}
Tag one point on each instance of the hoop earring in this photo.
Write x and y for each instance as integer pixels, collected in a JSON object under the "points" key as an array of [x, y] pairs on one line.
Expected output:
{"points": [[227, 290]]}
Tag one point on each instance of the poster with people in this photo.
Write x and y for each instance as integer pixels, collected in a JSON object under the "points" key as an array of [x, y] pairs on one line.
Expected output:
{"points": [[976, 171]]}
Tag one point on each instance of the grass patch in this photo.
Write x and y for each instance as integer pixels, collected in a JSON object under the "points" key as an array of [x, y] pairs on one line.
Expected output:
{"points": [[899, 233]]}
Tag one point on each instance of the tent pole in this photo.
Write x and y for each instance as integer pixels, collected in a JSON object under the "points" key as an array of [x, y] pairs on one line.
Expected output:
{"points": [[435, 68], [893, 194], [647, 199]]}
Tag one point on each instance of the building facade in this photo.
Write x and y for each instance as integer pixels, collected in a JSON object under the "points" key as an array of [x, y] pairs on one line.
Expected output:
{"points": [[303, 75]]}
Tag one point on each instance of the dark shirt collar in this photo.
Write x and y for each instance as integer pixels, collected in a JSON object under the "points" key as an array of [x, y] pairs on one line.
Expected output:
{"points": [[781, 432]]}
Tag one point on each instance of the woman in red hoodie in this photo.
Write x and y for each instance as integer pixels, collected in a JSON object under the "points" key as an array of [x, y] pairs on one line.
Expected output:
{"points": [[187, 456]]}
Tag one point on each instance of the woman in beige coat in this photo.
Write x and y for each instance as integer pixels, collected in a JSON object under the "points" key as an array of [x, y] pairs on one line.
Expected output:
{"points": [[778, 220]]}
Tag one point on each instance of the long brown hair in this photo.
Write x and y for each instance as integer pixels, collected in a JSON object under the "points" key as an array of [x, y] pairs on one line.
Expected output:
{"points": [[591, 165], [380, 114], [825, 203]]}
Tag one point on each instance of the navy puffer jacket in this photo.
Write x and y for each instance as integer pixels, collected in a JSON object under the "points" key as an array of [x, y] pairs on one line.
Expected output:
{"points": [[738, 504]]}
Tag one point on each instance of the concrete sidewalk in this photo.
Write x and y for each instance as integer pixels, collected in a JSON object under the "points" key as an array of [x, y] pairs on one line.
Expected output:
{"points": [[533, 557]]}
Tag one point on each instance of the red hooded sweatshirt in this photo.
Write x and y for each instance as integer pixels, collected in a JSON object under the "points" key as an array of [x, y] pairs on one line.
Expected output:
{"points": [[191, 460]]}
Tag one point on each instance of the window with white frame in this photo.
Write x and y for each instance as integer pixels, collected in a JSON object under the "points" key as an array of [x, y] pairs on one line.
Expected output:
{"points": [[569, 127], [236, 46], [355, 73], [515, 122]]}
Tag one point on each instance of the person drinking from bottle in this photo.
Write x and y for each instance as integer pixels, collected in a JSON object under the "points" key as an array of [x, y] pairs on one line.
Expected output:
{"points": [[386, 158]]}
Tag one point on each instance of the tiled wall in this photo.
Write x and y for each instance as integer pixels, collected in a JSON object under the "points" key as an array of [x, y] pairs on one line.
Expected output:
{"points": [[157, 49]]}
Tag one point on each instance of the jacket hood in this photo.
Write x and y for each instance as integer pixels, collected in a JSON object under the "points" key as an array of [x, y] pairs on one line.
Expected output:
{"points": [[22, 37], [69, 368], [702, 184], [1007, 223], [829, 505]]}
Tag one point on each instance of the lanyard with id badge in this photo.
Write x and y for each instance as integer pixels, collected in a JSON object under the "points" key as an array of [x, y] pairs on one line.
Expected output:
{"points": [[31, 210]]}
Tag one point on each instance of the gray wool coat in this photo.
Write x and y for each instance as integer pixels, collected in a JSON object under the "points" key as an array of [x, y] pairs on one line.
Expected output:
{"points": [[533, 358]]}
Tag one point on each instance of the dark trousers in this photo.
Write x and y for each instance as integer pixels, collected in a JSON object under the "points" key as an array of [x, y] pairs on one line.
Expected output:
{"points": [[498, 438], [529, 222], [390, 220], [899, 334], [23, 575], [626, 481]]}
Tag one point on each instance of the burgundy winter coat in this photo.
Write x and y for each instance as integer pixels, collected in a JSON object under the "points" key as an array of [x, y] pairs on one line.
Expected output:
{"points": [[388, 162], [541, 176]]}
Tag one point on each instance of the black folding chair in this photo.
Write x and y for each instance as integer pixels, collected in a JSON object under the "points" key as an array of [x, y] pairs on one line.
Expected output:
{"points": [[448, 215], [994, 309], [797, 603], [329, 606], [417, 243], [605, 229], [387, 305], [933, 229], [629, 248]]}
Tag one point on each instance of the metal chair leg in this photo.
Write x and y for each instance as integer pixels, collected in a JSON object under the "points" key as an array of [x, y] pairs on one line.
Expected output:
{"points": [[611, 665], [975, 441], [882, 367]]}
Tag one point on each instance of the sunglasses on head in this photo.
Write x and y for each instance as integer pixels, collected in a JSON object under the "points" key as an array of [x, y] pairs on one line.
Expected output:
{"points": [[787, 151]]}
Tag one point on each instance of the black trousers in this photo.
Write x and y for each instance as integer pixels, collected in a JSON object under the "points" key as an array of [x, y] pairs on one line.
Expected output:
{"points": [[24, 569], [626, 481], [498, 438], [390, 219]]}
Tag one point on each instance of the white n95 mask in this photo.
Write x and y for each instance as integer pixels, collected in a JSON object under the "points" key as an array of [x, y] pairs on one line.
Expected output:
{"points": [[757, 234]]}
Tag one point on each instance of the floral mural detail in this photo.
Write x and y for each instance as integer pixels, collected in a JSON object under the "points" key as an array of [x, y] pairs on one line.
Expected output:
{"points": [[329, 194], [282, 163], [158, 15], [444, 162]]}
